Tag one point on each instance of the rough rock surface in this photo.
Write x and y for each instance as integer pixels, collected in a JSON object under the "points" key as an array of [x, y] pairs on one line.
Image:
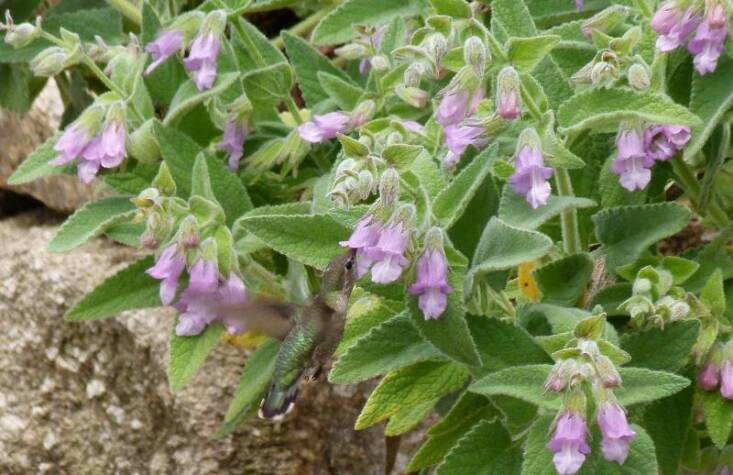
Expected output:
{"points": [[21, 134], [92, 398]]}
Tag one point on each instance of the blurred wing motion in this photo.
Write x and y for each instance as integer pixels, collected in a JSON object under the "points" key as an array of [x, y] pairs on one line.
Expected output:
{"points": [[262, 315]]}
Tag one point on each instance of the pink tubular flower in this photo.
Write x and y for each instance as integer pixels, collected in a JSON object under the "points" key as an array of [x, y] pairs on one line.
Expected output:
{"points": [[168, 268], [365, 236], [579, 4], [662, 142], [707, 46], [324, 127], [71, 144], [617, 435], [165, 45], [388, 253], [235, 134], [679, 32], [508, 105], [666, 17], [376, 40], [633, 163], [708, 377], [202, 60], [431, 283], [198, 303], [111, 151], [531, 176], [458, 138], [569, 443], [456, 105], [231, 293], [726, 379]]}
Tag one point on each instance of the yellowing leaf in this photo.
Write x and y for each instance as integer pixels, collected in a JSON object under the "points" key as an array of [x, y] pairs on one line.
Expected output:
{"points": [[527, 284]]}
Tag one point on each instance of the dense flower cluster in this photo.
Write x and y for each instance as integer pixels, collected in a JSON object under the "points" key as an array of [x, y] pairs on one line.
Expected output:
{"points": [[677, 20]]}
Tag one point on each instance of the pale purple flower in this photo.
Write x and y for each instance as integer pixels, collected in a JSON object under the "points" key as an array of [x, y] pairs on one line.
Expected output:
{"points": [[508, 106], [110, 151], [324, 127], [726, 380], [708, 377], [431, 283], [707, 46], [202, 60], [662, 142], [458, 138], [632, 164], [579, 4], [168, 268], [413, 126], [365, 236], [71, 144], [717, 16], [679, 32], [569, 444], [199, 302], [531, 176], [666, 17], [89, 162], [235, 133], [388, 253], [165, 45], [617, 435], [457, 104], [232, 292], [376, 40]]}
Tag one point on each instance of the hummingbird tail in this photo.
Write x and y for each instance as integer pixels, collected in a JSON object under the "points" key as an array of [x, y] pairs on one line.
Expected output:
{"points": [[279, 402]]}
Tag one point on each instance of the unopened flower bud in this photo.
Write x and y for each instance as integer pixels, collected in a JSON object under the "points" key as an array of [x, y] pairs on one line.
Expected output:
{"points": [[146, 198], [362, 113], [365, 185], [678, 310], [51, 61], [189, 232], [21, 35], [561, 375], [642, 286], [395, 138], [716, 15], [412, 95], [603, 74], [413, 75], [606, 20], [389, 186], [351, 51], [164, 181], [475, 55], [607, 372], [436, 46], [508, 98], [639, 76], [379, 63]]}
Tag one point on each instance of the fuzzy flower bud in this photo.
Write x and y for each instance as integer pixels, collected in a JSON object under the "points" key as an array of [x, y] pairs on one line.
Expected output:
{"points": [[21, 35], [639, 76], [412, 95], [561, 375], [607, 372], [436, 46], [351, 51], [389, 187], [51, 61], [476, 55], [708, 375], [508, 98], [413, 74]]}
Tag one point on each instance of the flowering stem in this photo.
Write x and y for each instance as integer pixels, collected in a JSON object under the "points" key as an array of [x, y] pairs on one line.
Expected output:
{"points": [[687, 179], [569, 218], [532, 106], [128, 10]]}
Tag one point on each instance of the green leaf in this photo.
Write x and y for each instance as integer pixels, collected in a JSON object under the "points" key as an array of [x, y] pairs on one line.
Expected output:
{"points": [[503, 246], [310, 239], [36, 164], [338, 26], [526, 53], [391, 345], [449, 333], [254, 380], [713, 294], [503, 345], [515, 211], [513, 17], [126, 233], [527, 383], [366, 311], [538, 459], [91, 220], [597, 108], [409, 386], [179, 153], [668, 421], [308, 62], [188, 353], [553, 12], [627, 231], [263, 51], [188, 96], [401, 155], [269, 84], [407, 418], [344, 94], [466, 412], [718, 417], [453, 200], [477, 451], [228, 190], [711, 98], [452, 8], [667, 349], [129, 289], [563, 281]]}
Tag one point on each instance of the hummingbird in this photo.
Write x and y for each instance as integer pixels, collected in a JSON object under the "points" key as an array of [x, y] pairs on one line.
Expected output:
{"points": [[310, 333]]}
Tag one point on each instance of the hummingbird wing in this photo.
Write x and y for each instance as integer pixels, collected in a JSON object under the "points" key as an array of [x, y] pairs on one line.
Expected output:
{"points": [[261, 314]]}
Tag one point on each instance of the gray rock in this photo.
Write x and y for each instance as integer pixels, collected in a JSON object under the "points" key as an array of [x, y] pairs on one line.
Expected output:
{"points": [[92, 398]]}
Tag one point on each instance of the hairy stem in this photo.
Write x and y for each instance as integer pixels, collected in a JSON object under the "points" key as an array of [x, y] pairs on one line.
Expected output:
{"points": [[128, 10], [569, 218], [303, 27]]}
